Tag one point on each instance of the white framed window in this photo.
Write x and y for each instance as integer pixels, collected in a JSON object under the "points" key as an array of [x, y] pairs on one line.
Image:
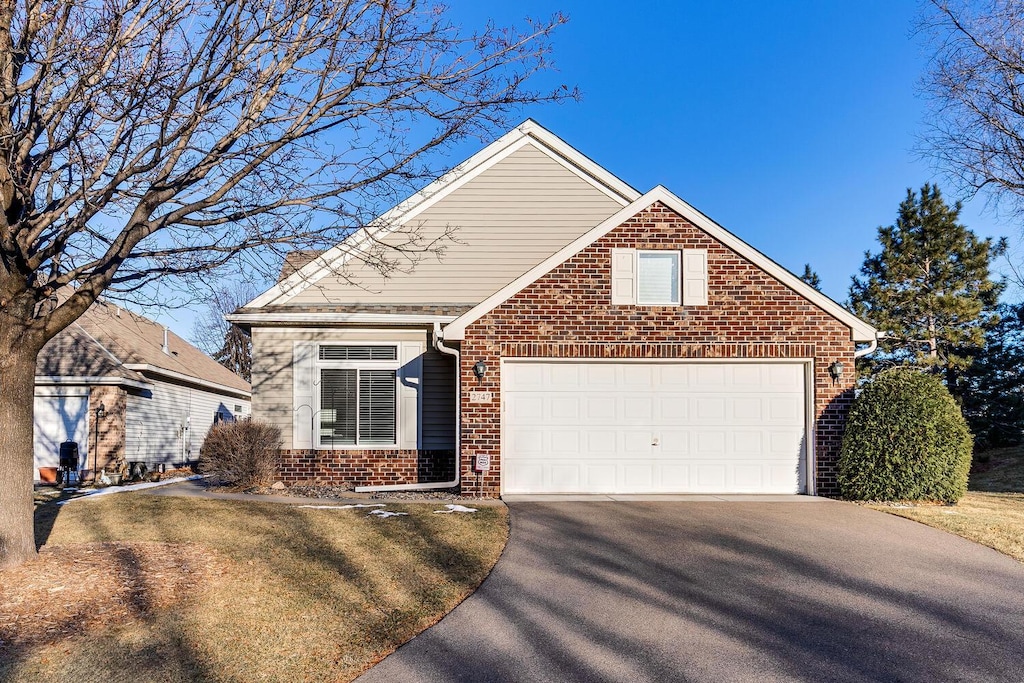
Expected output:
{"points": [[657, 277], [357, 394], [666, 277]]}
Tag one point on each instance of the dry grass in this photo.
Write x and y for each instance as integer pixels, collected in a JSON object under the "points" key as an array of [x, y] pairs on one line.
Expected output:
{"points": [[233, 591], [992, 512], [992, 519]]}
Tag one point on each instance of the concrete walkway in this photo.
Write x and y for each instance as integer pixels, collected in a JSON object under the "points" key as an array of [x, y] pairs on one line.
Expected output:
{"points": [[727, 591], [202, 489]]}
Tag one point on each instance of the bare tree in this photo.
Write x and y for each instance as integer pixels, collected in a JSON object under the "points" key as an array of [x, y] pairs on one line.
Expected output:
{"points": [[227, 343], [142, 139], [975, 87]]}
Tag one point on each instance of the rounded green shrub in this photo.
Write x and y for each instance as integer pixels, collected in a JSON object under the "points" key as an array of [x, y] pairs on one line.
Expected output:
{"points": [[906, 439]]}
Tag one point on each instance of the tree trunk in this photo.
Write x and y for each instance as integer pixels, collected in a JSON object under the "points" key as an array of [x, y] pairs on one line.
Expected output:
{"points": [[20, 343], [17, 388]]}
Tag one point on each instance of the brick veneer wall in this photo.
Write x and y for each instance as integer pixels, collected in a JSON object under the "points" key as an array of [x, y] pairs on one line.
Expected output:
{"points": [[111, 446], [568, 313], [370, 467]]}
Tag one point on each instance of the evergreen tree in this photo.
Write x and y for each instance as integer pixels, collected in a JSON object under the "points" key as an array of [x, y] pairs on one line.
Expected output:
{"points": [[993, 387], [929, 289], [810, 277]]}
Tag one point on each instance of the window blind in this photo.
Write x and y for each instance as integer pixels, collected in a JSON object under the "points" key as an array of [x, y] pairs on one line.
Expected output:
{"points": [[658, 278], [338, 406], [377, 406]]}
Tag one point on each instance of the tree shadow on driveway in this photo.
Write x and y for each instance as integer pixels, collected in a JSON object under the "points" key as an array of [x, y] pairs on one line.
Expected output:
{"points": [[727, 591]]}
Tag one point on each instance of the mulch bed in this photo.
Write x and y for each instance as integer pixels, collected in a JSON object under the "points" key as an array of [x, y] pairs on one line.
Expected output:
{"points": [[68, 589]]}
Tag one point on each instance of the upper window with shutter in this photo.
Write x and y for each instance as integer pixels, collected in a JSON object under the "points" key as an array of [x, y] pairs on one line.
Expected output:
{"points": [[660, 277]]}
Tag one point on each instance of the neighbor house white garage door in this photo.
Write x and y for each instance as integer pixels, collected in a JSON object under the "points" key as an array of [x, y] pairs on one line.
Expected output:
{"points": [[60, 417], [644, 427]]}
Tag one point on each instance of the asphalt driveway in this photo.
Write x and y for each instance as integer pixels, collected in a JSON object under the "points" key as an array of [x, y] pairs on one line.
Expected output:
{"points": [[727, 591]]}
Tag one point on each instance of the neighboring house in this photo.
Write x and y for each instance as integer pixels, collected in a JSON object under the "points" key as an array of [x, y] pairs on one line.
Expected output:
{"points": [[130, 386], [608, 341]]}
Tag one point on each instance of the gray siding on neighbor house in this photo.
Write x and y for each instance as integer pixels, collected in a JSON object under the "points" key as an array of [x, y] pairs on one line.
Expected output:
{"points": [[503, 222], [273, 380], [168, 424]]}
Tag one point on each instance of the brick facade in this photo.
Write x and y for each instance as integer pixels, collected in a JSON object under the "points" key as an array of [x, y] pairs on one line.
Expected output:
{"points": [[106, 444], [568, 314], [366, 467]]}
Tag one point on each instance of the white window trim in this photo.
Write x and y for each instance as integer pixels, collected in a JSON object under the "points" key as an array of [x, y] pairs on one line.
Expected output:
{"points": [[679, 279], [319, 365]]}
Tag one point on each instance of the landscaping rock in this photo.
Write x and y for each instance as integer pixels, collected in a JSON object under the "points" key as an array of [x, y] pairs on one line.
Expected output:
{"points": [[278, 486]]}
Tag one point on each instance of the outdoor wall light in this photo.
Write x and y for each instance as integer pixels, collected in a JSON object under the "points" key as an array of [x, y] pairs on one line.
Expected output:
{"points": [[479, 369], [101, 410], [835, 371]]}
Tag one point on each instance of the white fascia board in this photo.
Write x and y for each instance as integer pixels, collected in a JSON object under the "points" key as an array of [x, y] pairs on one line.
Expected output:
{"points": [[182, 377], [340, 318], [60, 380], [527, 132], [860, 331]]}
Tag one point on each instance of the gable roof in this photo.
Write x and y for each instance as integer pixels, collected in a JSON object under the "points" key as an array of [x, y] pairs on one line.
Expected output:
{"points": [[363, 240], [860, 331], [110, 341]]}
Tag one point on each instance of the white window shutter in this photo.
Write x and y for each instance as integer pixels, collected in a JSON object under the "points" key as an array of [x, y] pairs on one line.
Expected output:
{"points": [[303, 369], [623, 276], [695, 277], [410, 378]]}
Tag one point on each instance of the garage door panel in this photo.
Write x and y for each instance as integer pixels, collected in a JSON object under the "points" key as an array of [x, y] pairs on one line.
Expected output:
{"points": [[56, 419], [637, 427], [603, 478]]}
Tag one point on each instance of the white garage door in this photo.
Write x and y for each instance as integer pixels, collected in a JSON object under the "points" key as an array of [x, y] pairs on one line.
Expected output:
{"points": [[60, 418], [639, 427]]}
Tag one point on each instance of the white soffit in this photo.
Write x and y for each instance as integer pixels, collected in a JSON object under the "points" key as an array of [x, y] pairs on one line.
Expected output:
{"points": [[526, 133], [860, 331]]}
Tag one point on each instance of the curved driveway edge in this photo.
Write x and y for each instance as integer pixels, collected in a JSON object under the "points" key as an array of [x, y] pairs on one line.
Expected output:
{"points": [[660, 591]]}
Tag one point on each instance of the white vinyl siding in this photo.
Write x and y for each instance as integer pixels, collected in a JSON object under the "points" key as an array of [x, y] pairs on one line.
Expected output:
{"points": [[168, 424], [489, 232], [657, 277]]}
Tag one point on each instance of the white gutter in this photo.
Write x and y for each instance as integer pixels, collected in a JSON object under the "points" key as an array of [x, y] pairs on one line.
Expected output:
{"points": [[872, 347], [339, 318], [222, 388], [47, 380], [439, 345]]}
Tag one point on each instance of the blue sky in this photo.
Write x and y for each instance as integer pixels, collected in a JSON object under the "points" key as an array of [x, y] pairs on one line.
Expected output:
{"points": [[792, 124]]}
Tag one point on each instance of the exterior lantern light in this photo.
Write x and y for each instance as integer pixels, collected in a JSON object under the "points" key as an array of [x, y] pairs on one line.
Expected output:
{"points": [[835, 371], [479, 369]]}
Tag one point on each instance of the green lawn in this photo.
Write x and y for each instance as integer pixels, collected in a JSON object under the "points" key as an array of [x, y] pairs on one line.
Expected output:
{"points": [[137, 587]]}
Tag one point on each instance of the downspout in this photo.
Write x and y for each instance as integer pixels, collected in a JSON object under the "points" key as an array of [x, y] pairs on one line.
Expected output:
{"points": [[439, 345]]}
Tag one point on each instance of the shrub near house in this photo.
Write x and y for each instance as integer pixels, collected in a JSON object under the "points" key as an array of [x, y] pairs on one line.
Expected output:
{"points": [[243, 454], [906, 439]]}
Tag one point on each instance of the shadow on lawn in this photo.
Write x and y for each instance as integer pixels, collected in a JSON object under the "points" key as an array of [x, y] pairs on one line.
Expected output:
{"points": [[165, 653], [998, 471], [297, 550]]}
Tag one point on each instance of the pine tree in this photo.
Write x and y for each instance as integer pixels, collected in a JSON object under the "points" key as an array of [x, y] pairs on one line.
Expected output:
{"points": [[810, 277], [993, 387], [929, 289]]}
